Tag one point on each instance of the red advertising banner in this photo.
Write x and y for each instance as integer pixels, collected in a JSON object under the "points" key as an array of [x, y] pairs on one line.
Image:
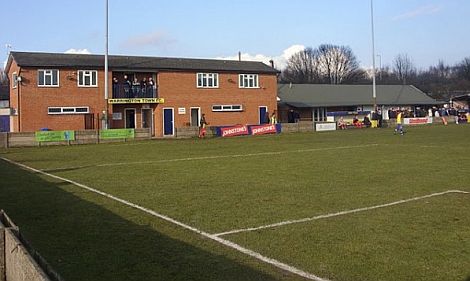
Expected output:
{"points": [[263, 129], [418, 121], [238, 130]]}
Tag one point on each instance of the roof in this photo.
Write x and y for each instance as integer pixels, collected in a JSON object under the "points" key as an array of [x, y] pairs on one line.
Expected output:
{"points": [[136, 63], [465, 97], [318, 95]]}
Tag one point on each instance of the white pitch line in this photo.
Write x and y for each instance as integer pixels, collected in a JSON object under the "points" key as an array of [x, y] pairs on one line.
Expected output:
{"points": [[337, 213], [211, 157], [222, 241]]}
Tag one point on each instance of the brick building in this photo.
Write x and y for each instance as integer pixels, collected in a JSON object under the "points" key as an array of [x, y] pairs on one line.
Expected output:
{"points": [[66, 91]]}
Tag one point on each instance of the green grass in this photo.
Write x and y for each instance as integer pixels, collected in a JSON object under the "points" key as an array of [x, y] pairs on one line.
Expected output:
{"points": [[87, 237]]}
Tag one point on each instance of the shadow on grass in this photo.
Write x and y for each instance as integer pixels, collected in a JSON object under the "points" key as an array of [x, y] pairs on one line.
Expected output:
{"points": [[87, 237]]}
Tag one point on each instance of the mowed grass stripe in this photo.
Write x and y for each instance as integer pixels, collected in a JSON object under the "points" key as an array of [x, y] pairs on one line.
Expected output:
{"points": [[212, 157], [224, 242], [341, 213], [427, 240]]}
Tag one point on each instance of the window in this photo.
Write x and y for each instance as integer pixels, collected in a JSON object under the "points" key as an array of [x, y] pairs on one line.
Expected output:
{"points": [[14, 80], [207, 80], [248, 81], [225, 108], [48, 78], [68, 110], [87, 78]]}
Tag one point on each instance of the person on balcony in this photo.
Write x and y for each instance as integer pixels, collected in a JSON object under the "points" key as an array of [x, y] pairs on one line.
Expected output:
{"points": [[143, 87], [127, 87], [115, 87], [136, 88], [152, 87]]}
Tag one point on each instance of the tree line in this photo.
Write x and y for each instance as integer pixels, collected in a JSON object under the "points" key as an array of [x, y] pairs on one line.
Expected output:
{"points": [[333, 64]]}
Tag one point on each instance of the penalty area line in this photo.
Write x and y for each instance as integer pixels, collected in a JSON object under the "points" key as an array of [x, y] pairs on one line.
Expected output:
{"points": [[212, 237], [342, 213]]}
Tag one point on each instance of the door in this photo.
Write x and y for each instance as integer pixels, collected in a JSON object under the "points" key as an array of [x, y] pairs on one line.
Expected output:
{"points": [[263, 115], [168, 124], [195, 116], [147, 119], [130, 118], [5, 123]]}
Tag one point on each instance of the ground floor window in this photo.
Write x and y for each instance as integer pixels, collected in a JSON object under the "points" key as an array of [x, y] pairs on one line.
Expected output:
{"points": [[68, 110]]}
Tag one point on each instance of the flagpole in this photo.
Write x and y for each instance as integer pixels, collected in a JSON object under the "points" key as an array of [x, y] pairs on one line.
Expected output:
{"points": [[106, 65], [374, 86]]}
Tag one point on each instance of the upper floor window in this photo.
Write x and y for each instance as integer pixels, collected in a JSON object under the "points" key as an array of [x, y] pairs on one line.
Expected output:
{"points": [[248, 81], [48, 78], [87, 78], [207, 80], [14, 80]]}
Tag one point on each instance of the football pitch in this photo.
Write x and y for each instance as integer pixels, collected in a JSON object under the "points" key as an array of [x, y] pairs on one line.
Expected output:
{"points": [[345, 205]]}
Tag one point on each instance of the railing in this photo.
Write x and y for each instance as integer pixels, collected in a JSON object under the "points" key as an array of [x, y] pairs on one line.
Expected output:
{"points": [[133, 91]]}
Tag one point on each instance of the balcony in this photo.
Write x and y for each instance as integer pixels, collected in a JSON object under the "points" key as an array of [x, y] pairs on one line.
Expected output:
{"points": [[124, 93]]}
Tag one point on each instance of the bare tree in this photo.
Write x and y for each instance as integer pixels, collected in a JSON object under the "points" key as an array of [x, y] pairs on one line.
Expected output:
{"points": [[463, 69], [403, 68], [336, 64], [301, 68], [326, 64]]}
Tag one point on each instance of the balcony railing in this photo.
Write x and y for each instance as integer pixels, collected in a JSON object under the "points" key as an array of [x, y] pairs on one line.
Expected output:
{"points": [[133, 91]]}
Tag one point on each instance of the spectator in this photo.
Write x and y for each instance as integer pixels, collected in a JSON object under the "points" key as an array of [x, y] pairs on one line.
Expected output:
{"points": [[291, 116], [296, 117], [356, 122], [273, 119], [136, 88], [366, 122], [152, 87], [202, 126], [143, 87], [115, 87], [341, 123], [127, 87]]}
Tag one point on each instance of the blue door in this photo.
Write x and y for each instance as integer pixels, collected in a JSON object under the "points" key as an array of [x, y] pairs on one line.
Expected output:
{"points": [[263, 115], [4, 123], [168, 127]]}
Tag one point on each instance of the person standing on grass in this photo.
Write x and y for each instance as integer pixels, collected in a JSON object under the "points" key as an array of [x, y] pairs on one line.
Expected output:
{"points": [[202, 126], [273, 119], [399, 128]]}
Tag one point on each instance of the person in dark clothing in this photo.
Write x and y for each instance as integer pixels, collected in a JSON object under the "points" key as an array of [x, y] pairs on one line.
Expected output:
{"points": [[296, 117], [127, 87], [291, 116], [115, 87]]}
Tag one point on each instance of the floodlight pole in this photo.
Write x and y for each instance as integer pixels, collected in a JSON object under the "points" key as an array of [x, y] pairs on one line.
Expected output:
{"points": [[106, 67], [374, 86]]}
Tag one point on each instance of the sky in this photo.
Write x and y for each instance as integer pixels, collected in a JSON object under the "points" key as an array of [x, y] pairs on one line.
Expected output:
{"points": [[427, 31]]}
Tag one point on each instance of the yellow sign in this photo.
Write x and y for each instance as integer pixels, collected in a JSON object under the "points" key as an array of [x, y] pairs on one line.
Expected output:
{"points": [[136, 100]]}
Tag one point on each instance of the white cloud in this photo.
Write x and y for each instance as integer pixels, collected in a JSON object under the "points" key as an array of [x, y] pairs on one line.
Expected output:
{"points": [[78, 51], [154, 39], [420, 11], [280, 60]]}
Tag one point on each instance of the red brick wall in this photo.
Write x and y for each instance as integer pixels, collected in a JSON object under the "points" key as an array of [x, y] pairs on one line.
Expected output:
{"points": [[179, 90], [14, 120], [35, 100]]}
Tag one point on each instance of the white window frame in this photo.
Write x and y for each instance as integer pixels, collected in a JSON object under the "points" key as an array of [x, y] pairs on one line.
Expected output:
{"points": [[90, 75], [244, 81], [204, 77], [44, 76], [227, 108], [14, 79], [68, 110]]}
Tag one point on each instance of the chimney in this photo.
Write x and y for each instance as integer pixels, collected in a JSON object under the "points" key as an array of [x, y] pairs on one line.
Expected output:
{"points": [[272, 63], [239, 56]]}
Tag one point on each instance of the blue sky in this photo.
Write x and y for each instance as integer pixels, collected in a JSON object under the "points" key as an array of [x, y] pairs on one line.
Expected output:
{"points": [[426, 30]]}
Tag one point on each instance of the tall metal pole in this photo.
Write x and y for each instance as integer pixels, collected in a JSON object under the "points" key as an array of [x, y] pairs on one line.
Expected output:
{"points": [[106, 66], [374, 86]]}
